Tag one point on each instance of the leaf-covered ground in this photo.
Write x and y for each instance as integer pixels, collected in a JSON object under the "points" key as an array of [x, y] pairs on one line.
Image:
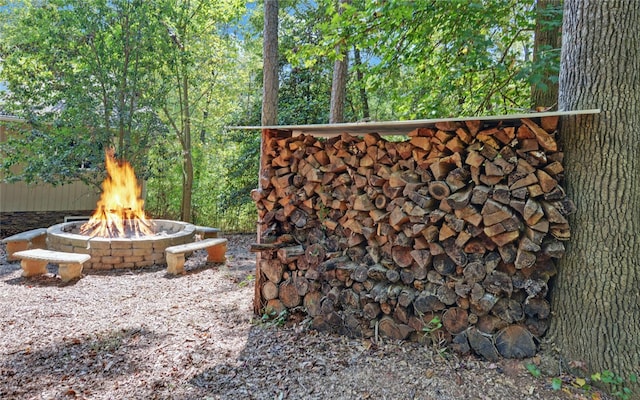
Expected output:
{"points": [[145, 335]]}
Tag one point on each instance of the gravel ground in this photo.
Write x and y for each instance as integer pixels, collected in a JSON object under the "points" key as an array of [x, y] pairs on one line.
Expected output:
{"points": [[145, 335]]}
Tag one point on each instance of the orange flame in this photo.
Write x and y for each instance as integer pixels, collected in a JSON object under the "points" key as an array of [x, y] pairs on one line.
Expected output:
{"points": [[120, 211]]}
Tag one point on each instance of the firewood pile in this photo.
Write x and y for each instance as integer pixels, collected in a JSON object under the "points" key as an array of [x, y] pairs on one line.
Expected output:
{"points": [[450, 235]]}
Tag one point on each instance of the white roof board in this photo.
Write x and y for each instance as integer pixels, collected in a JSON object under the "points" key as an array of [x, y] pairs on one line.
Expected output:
{"points": [[400, 127]]}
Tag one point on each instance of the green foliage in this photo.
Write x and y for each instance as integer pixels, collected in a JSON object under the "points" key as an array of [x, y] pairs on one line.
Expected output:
{"points": [[533, 370], [436, 59], [305, 85], [272, 318], [55, 159], [77, 72], [432, 330], [620, 386], [433, 325], [617, 383], [248, 280], [95, 74]]}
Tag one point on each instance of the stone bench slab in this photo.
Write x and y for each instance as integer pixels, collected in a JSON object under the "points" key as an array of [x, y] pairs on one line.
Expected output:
{"points": [[216, 249], [34, 262], [33, 239], [206, 232]]}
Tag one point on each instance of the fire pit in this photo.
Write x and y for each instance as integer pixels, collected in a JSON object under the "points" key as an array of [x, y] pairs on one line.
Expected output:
{"points": [[119, 235], [121, 252]]}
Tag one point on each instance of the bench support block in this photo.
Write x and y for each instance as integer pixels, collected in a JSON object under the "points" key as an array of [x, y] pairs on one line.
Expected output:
{"points": [[216, 253], [175, 263], [33, 267], [68, 272]]}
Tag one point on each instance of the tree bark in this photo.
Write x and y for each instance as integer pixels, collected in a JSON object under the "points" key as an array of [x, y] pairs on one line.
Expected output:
{"points": [[269, 111], [339, 82], [270, 64], [595, 299], [187, 158], [364, 99], [547, 38], [338, 90]]}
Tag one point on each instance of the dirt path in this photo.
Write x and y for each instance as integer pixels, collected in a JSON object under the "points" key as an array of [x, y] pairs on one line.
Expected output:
{"points": [[144, 335]]}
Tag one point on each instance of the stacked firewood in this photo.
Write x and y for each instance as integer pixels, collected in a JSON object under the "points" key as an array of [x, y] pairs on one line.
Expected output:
{"points": [[451, 234]]}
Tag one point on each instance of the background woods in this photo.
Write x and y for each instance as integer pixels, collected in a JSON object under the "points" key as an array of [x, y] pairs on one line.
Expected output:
{"points": [[160, 80]]}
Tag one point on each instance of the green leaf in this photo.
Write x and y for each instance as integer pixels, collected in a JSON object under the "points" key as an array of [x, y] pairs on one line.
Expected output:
{"points": [[556, 383], [533, 370]]}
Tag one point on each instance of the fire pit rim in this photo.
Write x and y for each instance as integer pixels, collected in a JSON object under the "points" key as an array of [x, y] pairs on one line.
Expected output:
{"points": [[121, 253], [58, 230]]}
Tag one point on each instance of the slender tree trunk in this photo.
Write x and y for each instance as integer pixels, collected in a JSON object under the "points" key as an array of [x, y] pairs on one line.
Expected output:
{"points": [[361, 84], [547, 39], [596, 298], [339, 82], [270, 64], [338, 90], [187, 159]]}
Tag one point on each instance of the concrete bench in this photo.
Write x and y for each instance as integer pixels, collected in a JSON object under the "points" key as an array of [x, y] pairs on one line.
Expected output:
{"points": [[33, 239], [216, 249], [34, 262], [206, 232]]}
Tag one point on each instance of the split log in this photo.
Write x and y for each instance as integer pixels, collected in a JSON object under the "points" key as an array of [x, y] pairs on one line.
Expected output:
{"points": [[406, 296], [490, 324], [311, 303], [402, 256], [439, 189], [371, 310], [545, 140], [427, 303], [515, 342], [455, 320], [272, 270], [269, 291], [482, 344], [290, 254], [288, 294], [396, 331], [508, 310], [446, 295], [444, 265], [498, 283]]}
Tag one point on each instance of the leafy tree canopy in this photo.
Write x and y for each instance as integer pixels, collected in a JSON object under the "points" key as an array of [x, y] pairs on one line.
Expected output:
{"points": [[428, 59]]}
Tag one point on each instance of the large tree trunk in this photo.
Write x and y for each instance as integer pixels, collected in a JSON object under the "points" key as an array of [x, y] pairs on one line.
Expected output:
{"points": [[546, 41], [270, 64], [269, 104], [597, 295]]}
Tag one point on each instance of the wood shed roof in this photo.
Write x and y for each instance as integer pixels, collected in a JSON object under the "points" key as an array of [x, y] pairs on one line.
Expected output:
{"points": [[399, 127]]}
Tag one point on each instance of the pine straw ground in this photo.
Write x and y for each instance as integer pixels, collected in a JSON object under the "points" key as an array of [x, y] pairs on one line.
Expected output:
{"points": [[145, 335]]}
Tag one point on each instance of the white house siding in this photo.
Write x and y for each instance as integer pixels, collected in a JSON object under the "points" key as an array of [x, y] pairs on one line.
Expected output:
{"points": [[20, 196]]}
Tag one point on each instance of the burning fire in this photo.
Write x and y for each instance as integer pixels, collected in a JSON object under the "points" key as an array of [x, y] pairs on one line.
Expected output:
{"points": [[120, 210]]}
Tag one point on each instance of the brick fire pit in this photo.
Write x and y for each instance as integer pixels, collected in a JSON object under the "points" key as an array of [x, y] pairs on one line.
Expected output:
{"points": [[121, 253]]}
